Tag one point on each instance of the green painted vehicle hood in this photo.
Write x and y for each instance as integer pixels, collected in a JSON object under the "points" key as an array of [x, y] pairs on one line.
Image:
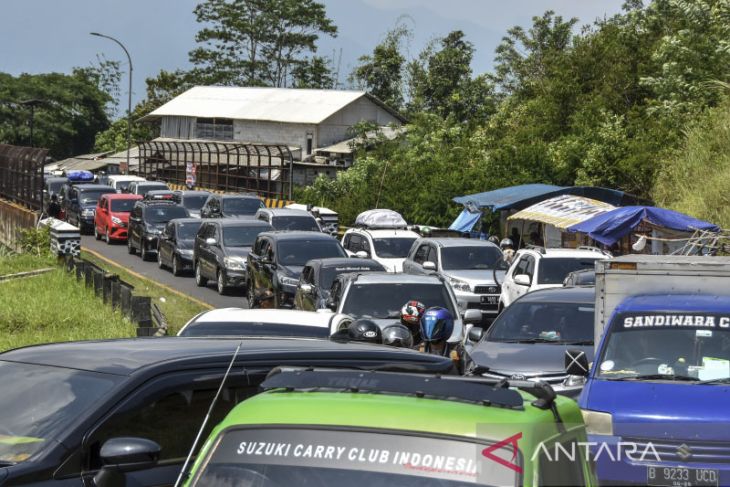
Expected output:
{"points": [[406, 413]]}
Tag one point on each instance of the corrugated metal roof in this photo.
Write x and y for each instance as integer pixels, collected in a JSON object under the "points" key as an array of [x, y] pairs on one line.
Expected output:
{"points": [[286, 105], [563, 211]]}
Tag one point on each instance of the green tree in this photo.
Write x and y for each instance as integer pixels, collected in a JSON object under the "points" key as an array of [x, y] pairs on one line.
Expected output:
{"points": [[315, 72], [257, 42], [381, 73], [71, 113]]}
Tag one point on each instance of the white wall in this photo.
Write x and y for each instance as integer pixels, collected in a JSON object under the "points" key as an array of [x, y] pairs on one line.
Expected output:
{"points": [[289, 134], [335, 128]]}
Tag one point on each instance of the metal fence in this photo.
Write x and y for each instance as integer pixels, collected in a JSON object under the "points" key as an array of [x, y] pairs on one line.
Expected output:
{"points": [[21, 175], [227, 166]]}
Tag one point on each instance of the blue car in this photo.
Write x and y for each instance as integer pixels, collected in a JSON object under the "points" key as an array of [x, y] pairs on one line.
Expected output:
{"points": [[657, 399]]}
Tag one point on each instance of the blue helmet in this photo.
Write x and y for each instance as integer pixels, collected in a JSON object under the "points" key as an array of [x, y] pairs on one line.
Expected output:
{"points": [[436, 324]]}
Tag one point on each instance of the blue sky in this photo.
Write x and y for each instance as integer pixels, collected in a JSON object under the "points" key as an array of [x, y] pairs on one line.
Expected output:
{"points": [[53, 35]]}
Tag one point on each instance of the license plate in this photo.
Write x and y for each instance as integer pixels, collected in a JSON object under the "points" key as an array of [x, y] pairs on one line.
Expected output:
{"points": [[489, 299], [682, 477]]}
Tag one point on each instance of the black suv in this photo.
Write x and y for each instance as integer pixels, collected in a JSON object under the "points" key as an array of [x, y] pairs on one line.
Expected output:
{"points": [[319, 274], [220, 251], [80, 204], [146, 222], [277, 260], [231, 206], [65, 407]]}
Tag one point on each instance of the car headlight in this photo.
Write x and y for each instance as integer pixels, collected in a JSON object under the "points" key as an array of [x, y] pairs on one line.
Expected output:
{"points": [[459, 285], [117, 221], [597, 423], [234, 263], [185, 252], [88, 212], [153, 231], [288, 281]]}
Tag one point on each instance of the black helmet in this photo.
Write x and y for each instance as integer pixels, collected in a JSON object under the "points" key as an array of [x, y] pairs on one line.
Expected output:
{"points": [[397, 335], [364, 331]]}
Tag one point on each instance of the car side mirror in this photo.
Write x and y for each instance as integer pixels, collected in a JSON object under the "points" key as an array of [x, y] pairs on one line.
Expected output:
{"points": [[306, 288], [429, 266], [361, 254], [522, 280], [330, 303], [472, 316], [475, 334], [576, 362], [210, 241], [125, 454]]}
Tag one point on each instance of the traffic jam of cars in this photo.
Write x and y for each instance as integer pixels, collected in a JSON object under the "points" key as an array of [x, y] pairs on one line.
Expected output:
{"points": [[390, 354]]}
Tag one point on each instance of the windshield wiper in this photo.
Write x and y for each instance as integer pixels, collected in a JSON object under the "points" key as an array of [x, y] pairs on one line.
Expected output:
{"points": [[721, 380], [685, 378]]}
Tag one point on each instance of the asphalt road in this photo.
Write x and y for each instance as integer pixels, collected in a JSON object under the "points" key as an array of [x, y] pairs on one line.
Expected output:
{"points": [[185, 284]]}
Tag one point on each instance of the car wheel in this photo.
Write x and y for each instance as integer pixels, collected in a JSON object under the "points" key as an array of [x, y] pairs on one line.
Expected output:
{"points": [[200, 281], [107, 238], [97, 235], [143, 251], [159, 260], [176, 271], [221, 283], [251, 295], [130, 247]]}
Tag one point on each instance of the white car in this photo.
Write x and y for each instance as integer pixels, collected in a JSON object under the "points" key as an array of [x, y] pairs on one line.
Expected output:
{"points": [[538, 268], [120, 182], [239, 322], [389, 247]]}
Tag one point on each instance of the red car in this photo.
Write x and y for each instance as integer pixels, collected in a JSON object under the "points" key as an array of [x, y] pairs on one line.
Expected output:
{"points": [[112, 215]]}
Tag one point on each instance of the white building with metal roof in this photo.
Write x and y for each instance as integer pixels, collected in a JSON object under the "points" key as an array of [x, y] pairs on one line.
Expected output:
{"points": [[302, 119]]}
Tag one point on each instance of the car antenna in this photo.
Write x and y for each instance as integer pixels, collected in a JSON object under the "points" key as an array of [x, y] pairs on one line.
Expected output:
{"points": [[183, 471]]}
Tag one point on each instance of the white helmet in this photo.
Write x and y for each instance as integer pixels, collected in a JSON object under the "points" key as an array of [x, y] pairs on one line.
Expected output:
{"points": [[506, 242]]}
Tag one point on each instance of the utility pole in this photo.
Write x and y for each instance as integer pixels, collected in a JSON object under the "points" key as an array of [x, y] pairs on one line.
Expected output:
{"points": [[129, 97]]}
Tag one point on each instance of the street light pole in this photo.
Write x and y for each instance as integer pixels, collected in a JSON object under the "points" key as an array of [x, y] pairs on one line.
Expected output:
{"points": [[129, 99]]}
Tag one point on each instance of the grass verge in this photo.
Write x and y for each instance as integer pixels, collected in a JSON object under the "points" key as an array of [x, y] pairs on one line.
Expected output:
{"points": [[52, 307], [177, 308], [14, 263]]}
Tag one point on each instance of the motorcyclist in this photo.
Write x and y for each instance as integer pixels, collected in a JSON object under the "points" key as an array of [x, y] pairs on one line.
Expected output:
{"points": [[437, 324], [54, 209], [397, 335], [508, 250], [361, 330], [494, 239], [410, 317]]}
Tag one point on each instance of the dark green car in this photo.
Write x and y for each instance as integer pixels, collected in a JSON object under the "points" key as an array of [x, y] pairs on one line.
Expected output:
{"points": [[330, 427]]}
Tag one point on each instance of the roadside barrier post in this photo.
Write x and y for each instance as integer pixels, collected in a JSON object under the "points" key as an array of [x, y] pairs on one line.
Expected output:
{"points": [[98, 282], [88, 275], [107, 287], [125, 293], [80, 269], [141, 315]]}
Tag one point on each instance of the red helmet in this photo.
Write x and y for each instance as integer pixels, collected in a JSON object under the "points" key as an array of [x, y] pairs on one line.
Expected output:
{"points": [[411, 313]]}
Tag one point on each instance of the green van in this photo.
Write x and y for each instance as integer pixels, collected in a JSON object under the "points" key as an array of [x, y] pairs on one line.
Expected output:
{"points": [[334, 427]]}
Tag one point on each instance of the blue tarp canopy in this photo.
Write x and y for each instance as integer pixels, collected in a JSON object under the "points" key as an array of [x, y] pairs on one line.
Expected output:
{"points": [[610, 227], [466, 221], [522, 196]]}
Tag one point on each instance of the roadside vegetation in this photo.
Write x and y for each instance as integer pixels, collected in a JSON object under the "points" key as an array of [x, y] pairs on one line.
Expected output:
{"points": [[51, 307]]}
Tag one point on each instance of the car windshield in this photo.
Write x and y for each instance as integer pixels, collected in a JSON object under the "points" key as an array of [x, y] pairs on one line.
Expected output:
{"points": [[38, 404], [385, 300], [91, 197], [545, 322], [393, 248], [162, 214], [667, 346], [54, 187], [122, 185], [194, 202], [300, 251], [469, 258], [300, 223], [143, 189], [188, 230], [121, 206], [326, 458], [242, 236], [242, 206], [554, 270], [327, 274], [254, 329]]}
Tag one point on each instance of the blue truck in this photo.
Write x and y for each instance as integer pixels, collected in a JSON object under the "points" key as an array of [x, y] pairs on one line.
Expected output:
{"points": [[657, 398]]}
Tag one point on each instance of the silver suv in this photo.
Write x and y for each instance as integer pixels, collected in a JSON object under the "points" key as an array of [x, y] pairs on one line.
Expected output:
{"points": [[466, 264]]}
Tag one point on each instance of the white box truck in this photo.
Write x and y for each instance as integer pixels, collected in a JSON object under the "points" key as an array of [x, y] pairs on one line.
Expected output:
{"points": [[632, 275]]}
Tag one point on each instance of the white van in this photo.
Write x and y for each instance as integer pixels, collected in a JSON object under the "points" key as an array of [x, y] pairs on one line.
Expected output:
{"points": [[120, 183]]}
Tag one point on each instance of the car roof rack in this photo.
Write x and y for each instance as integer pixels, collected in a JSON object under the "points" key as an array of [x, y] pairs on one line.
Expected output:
{"points": [[393, 383]]}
